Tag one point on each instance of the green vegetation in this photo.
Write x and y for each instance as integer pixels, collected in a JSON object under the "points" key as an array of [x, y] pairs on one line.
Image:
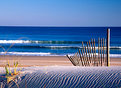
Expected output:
{"points": [[15, 67], [6, 69]]}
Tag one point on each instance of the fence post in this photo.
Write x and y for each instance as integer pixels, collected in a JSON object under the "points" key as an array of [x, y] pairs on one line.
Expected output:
{"points": [[108, 47]]}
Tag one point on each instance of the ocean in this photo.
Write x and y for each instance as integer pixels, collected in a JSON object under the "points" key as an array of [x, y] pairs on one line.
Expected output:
{"points": [[54, 41]]}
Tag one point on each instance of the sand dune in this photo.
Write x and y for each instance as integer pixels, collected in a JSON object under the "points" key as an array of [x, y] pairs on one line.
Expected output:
{"points": [[68, 77]]}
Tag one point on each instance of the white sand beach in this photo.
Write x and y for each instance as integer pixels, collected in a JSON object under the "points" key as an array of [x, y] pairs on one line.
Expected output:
{"points": [[66, 77], [58, 72]]}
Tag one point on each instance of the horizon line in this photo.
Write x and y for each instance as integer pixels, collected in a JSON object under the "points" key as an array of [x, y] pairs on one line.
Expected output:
{"points": [[53, 26]]}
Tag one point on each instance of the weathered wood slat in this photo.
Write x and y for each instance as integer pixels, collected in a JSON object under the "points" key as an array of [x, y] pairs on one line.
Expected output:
{"points": [[101, 52], [95, 61], [71, 60], [83, 51], [85, 57], [87, 62], [76, 59], [81, 58], [92, 52], [98, 51], [89, 51], [88, 54], [105, 52]]}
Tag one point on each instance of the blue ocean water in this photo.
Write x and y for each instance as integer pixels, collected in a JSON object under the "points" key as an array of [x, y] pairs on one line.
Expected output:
{"points": [[47, 41]]}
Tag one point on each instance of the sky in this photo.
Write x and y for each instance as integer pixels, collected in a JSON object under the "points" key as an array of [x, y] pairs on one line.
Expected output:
{"points": [[60, 13]]}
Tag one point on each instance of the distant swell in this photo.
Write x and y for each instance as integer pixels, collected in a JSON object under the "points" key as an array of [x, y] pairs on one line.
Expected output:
{"points": [[55, 47], [43, 47]]}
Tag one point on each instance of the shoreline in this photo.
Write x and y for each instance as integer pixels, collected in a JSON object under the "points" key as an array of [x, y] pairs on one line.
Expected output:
{"points": [[27, 61]]}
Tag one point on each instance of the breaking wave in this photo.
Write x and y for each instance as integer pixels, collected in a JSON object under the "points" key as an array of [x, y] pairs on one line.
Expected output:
{"points": [[46, 54], [40, 42], [28, 54]]}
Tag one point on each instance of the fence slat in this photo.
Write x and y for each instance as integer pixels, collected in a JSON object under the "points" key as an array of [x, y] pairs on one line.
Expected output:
{"points": [[87, 55], [98, 51], [90, 51], [103, 50], [94, 53], [71, 60], [81, 58], [83, 52], [105, 53]]}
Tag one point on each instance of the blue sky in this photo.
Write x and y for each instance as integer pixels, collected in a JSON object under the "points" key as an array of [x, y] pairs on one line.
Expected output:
{"points": [[60, 12]]}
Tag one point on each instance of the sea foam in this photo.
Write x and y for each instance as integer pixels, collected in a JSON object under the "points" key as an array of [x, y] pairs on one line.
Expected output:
{"points": [[46, 54]]}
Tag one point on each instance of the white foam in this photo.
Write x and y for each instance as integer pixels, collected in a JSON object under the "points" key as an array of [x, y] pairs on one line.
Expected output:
{"points": [[14, 41], [47, 54], [115, 55], [111, 55], [26, 53]]}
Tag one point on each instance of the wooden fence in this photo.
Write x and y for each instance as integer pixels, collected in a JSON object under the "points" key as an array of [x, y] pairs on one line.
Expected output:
{"points": [[90, 55]]}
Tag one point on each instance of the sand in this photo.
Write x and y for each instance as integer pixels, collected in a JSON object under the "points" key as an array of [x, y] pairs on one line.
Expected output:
{"points": [[58, 72], [26, 61], [36, 60], [67, 77]]}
